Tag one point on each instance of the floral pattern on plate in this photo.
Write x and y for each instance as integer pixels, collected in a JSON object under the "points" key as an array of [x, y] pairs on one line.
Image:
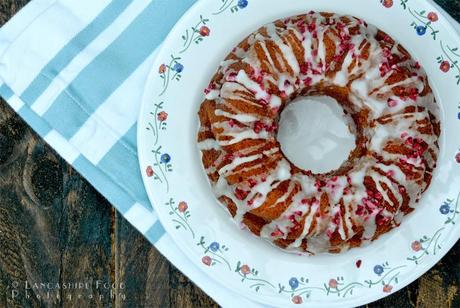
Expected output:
{"points": [[216, 257]]}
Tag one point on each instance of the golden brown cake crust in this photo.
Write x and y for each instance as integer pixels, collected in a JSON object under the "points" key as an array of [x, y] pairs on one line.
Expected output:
{"points": [[380, 87]]}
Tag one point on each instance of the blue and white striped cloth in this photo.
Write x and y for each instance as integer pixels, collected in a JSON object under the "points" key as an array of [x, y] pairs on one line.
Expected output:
{"points": [[75, 71]]}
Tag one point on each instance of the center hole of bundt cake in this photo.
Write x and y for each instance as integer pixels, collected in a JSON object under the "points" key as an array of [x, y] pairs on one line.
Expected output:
{"points": [[315, 135]]}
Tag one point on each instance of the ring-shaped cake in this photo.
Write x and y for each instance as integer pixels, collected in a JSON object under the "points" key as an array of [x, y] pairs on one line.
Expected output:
{"points": [[393, 114]]}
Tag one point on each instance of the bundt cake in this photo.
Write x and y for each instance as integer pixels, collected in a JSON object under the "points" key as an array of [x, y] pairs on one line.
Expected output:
{"points": [[377, 83]]}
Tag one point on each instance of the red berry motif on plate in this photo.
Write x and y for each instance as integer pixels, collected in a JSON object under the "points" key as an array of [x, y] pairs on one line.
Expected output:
{"points": [[457, 157], [245, 269], [445, 66], [358, 263], [387, 3], [162, 116], [206, 260], [387, 288], [162, 69], [149, 171], [333, 283], [205, 31], [182, 207], [416, 246], [432, 16], [297, 300]]}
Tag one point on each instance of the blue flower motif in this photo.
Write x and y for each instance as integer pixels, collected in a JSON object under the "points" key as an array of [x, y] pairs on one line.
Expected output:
{"points": [[444, 209], [214, 246], [242, 4], [294, 283], [165, 158], [178, 67], [458, 115], [378, 269], [421, 30]]}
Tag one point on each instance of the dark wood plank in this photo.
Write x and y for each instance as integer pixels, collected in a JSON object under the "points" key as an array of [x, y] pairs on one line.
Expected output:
{"points": [[149, 279], [451, 6], [85, 242], [9, 7], [185, 294], [142, 270], [54, 227]]}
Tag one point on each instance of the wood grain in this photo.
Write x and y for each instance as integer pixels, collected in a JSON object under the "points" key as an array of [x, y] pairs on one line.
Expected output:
{"points": [[54, 227]]}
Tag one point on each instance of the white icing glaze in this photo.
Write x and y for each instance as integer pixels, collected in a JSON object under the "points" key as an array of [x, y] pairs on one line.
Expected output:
{"points": [[236, 162], [243, 118], [367, 80], [243, 79], [212, 95], [209, 144]]}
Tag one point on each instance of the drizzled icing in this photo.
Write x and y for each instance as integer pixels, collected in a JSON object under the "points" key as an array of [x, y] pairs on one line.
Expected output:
{"points": [[385, 88]]}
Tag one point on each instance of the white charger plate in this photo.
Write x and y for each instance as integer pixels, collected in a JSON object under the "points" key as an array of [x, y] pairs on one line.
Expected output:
{"points": [[180, 193]]}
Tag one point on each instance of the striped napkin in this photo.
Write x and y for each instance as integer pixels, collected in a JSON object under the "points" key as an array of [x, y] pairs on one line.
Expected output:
{"points": [[75, 71]]}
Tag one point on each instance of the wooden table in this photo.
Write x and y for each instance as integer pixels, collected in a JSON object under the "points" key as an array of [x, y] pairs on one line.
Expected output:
{"points": [[54, 227]]}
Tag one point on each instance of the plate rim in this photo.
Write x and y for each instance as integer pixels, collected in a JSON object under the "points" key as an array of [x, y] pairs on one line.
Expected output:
{"points": [[162, 50]]}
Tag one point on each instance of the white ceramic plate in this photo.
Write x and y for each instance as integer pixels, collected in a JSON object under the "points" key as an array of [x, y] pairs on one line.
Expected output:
{"points": [[179, 190]]}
